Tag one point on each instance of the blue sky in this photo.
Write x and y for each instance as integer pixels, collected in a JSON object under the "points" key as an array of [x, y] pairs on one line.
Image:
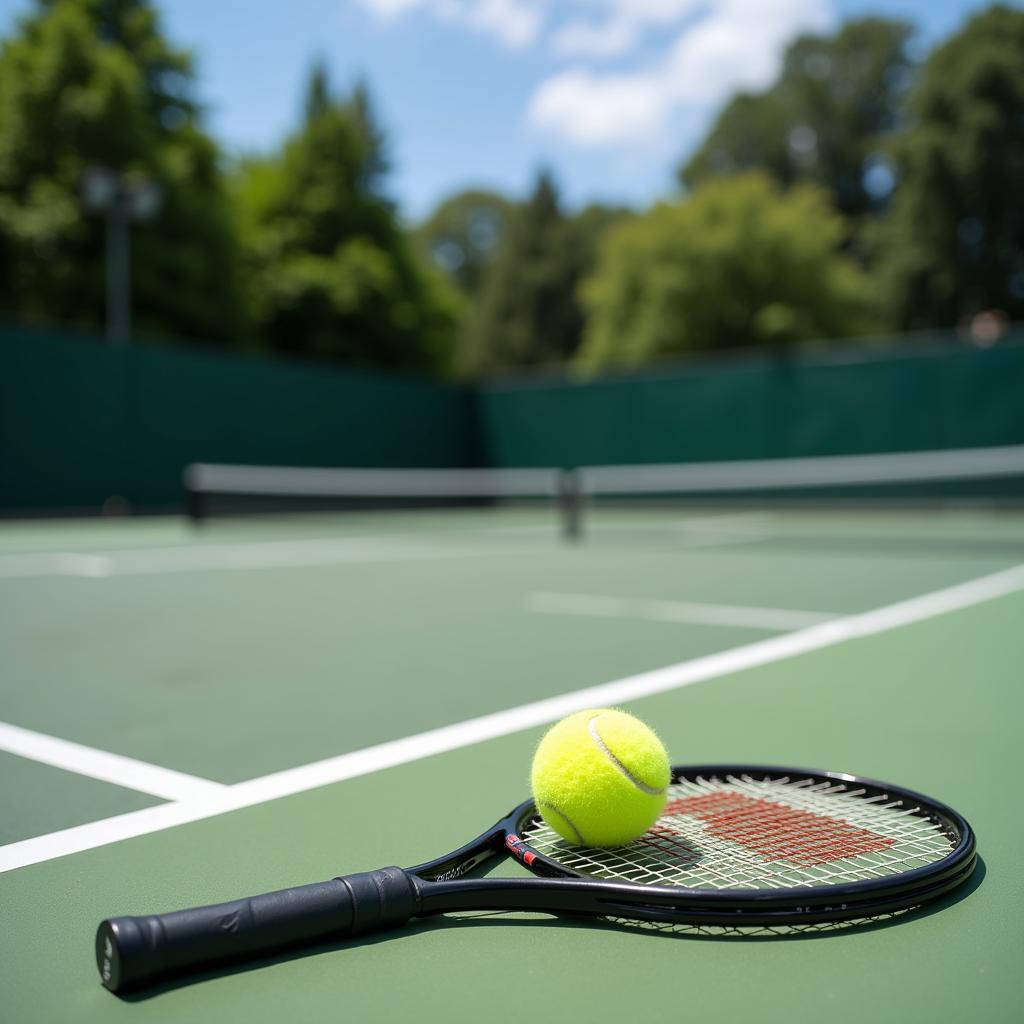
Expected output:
{"points": [[609, 94]]}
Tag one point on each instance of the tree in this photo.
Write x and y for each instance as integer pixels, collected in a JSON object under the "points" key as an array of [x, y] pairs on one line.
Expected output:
{"points": [[464, 234], [329, 270], [528, 313], [740, 263], [953, 244], [824, 120], [93, 82], [592, 223]]}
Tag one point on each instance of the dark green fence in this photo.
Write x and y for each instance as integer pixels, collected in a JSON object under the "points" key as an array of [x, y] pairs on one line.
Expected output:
{"points": [[868, 399], [80, 421]]}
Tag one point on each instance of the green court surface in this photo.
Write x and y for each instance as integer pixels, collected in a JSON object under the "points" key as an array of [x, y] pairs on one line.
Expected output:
{"points": [[191, 716]]}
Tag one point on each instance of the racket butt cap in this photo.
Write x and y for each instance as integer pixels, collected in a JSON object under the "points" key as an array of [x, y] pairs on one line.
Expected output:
{"points": [[112, 937]]}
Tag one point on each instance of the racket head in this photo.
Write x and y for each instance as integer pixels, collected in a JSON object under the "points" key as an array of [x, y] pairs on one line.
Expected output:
{"points": [[770, 842]]}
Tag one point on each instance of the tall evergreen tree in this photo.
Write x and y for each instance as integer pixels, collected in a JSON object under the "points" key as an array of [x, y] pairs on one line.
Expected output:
{"points": [[953, 244], [528, 313], [318, 92], [94, 82], [330, 271]]}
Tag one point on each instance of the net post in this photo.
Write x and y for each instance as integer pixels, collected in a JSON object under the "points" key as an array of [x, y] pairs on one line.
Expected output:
{"points": [[195, 499], [570, 501]]}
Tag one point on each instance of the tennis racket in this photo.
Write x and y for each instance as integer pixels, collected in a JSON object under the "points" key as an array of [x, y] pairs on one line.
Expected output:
{"points": [[735, 845]]}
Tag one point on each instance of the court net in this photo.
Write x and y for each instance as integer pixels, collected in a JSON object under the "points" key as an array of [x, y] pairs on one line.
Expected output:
{"points": [[825, 502], [214, 490], [583, 497]]}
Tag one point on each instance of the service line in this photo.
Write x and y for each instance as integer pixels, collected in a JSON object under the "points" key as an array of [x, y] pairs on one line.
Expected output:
{"points": [[680, 612]]}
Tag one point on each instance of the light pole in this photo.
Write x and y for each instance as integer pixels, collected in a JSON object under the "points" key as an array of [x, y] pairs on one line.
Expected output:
{"points": [[122, 200]]}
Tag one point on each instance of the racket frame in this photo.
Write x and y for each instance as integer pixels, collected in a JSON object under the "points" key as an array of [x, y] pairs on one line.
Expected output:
{"points": [[443, 885]]}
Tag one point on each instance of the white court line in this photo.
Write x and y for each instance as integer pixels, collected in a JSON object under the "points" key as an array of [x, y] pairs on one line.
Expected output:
{"points": [[226, 557], [680, 538], [683, 612], [741, 528], [709, 539], [723, 522], [55, 563], [100, 764], [295, 554], [716, 520], [504, 723]]}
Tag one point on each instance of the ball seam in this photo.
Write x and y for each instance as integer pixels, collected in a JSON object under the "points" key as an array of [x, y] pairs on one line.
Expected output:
{"points": [[580, 841], [607, 751]]}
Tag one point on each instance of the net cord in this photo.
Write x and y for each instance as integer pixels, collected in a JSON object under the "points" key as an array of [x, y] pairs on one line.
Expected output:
{"points": [[780, 474]]}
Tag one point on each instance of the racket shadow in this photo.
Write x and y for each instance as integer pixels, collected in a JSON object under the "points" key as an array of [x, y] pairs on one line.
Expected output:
{"points": [[533, 920]]}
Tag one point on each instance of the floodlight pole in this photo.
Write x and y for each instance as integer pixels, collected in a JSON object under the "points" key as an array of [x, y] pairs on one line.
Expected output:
{"points": [[121, 200], [119, 281]]}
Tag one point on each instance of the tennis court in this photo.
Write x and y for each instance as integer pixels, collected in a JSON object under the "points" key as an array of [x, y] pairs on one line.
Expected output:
{"points": [[192, 715]]}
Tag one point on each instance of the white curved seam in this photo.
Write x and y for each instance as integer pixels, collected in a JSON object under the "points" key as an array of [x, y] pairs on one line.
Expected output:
{"points": [[580, 841], [639, 783]]}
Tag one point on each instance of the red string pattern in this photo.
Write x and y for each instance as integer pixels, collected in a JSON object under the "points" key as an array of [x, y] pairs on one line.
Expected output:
{"points": [[778, 832]]}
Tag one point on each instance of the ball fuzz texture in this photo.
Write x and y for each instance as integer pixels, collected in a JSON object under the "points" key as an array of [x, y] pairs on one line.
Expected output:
{"points": [[600, 778]]}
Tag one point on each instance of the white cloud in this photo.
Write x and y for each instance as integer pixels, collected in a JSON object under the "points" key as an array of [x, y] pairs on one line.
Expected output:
{"points": [[725, 46], [600, 110], [388, 9], [703, 51], [588, 39], [741, 46], [623, 25], [391, 8], [517, 23]]}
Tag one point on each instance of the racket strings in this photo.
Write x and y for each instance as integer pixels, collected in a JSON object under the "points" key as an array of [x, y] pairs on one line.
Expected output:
{"points": [[905, 839], [746, 833]]}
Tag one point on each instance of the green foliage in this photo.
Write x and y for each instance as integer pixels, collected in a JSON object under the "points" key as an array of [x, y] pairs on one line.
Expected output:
{"points": [[329, 271], [592, 223], [306, 254], [464, 234], [487, 245], [953, 244], [93, 82], [528, 313], [738, 264], [823, 120]]}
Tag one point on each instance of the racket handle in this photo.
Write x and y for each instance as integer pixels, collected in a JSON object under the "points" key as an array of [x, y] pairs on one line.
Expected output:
{"points": [[136, 951]]}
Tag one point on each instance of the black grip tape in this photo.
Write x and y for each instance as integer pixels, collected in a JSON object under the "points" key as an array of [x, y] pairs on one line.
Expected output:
{"points": [[135, 951]]}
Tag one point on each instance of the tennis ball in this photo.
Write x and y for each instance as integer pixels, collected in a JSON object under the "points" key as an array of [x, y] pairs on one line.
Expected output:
{"points": [[600, 778]]}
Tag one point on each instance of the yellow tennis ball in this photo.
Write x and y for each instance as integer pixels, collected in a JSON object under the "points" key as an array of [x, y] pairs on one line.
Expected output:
{"points": [[600, 778]]}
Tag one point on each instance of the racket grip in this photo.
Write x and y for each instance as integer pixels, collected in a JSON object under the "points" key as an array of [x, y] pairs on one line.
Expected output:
{"points": [[136, 951]]}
